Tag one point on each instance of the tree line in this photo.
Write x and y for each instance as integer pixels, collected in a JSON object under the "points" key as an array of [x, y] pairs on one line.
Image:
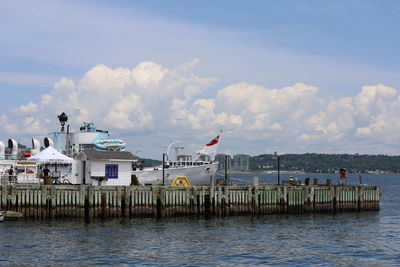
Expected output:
{"points": [[327, 163]]}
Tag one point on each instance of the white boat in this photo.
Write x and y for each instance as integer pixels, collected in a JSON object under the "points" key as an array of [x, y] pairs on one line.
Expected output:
{"points": [[97, 159], [198, 171]]}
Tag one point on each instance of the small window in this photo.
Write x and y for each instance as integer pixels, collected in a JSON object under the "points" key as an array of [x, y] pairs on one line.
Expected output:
{"points": [[112, 171]]}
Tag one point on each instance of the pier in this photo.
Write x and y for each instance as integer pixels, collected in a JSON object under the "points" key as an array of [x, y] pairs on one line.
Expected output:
{"points": [[61, 201]]}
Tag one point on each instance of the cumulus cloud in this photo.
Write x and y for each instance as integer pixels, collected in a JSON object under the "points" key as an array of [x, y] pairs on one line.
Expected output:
{"points": [[253, 111], [8, 128], [156, 100], [29, 108], [129, 114], [125, 99], [297, 119]]}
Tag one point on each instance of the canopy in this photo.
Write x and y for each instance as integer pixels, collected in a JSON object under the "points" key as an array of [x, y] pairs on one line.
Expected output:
{"points": [[50, 155]]}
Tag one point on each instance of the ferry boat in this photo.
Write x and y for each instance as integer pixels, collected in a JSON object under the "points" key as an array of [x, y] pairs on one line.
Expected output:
{"points": [[97, 159]]}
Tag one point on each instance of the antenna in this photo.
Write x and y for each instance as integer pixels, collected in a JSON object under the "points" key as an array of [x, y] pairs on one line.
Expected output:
{"points": [[177, 148], [169, 147]]}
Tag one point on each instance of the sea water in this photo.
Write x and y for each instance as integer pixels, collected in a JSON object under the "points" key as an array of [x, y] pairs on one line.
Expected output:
{"points": [[344, 239]]}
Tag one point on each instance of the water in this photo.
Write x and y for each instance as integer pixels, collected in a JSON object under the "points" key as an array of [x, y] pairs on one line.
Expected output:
{"points": [[351, 239]]}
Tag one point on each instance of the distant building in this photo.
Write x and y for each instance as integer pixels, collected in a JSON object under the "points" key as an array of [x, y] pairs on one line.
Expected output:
{"points": [[241, 162], [221, 161]]}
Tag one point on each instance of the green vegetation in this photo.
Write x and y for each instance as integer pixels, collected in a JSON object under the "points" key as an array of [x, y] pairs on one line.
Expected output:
{"points": [[328, 163]]}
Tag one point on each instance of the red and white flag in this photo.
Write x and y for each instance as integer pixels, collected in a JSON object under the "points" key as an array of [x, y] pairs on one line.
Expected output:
{"points": [[210, 148]]}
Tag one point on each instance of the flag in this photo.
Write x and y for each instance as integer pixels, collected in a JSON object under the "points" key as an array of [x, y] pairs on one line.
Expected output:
{"points": [[214, 141], [209, 148]]}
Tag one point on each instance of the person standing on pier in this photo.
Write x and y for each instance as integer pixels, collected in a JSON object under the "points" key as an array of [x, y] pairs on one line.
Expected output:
{"points": [[343, 176], [46, 175], [11, 174]]}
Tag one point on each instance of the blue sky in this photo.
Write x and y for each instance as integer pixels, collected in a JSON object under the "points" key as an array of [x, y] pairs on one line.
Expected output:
{"points": [[335, 46]]}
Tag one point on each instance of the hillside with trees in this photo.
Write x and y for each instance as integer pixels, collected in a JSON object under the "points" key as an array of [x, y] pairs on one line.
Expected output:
{"points": [[150, 162], [327, 163]]}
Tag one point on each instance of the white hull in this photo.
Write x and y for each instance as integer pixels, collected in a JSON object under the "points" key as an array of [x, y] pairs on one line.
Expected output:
{"points": [[195, 174]]}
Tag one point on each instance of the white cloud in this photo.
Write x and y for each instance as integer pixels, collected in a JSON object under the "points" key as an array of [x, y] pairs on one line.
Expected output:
{"points": [[159, 101], [32, 126], [148, 74], [123, 99], [29, 108], [129, 114]]}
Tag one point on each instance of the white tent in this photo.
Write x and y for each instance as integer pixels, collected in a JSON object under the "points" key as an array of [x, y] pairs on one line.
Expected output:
{"points": [[50, 155]]}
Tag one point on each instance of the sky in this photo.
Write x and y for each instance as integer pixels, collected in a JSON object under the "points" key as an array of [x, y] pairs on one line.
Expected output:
{"points": [[285, 76]]}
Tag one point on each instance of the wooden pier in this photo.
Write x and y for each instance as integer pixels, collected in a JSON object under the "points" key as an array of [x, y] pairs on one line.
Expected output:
{"points": [[60, 201]]}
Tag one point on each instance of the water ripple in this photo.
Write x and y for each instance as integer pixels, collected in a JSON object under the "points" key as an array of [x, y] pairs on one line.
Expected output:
{"points": [[351, 239]]}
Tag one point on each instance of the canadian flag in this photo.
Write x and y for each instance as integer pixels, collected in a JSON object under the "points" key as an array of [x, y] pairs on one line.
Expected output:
{"points": [[210, 148]]}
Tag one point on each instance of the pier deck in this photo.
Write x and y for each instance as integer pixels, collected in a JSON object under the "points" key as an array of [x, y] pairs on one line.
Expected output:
{"points": [[51, 201]]}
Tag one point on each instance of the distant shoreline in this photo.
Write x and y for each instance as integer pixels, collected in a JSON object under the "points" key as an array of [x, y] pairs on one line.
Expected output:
{"points": [[295, 172]]}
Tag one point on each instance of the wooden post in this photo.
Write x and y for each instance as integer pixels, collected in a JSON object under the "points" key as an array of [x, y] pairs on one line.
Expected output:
{"points": [[308, 195], [195, 201], [23, 202], [89, 201], [155, 194], [255, 199], [119, 201], [161, 203], [13, 198], [127, 201], [19, 200], [36, 203], [82, 197], [361, 199], [226, 201], [52, 201], [283, 199], [4, 195]]}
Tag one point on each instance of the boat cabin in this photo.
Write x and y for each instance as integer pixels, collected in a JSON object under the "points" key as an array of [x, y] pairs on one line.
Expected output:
{"points": [[104, 167]]}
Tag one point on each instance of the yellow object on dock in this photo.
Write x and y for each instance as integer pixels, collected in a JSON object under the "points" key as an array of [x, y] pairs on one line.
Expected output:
{"points": [[181, 181]]}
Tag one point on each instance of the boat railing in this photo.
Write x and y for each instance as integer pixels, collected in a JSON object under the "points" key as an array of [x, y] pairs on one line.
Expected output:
{"points": [[6, 179], [21, 178], [192, 163]]}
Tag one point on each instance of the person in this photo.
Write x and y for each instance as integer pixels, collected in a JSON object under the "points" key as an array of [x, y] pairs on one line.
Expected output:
{"points": [[46, 175], [219, 181], [343, 175], [134, 180], [10, 174], [141, 166]]}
